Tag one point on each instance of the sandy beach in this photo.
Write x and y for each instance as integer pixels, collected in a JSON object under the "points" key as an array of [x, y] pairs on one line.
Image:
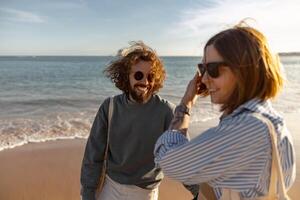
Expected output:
{"points": [[50, 170]]}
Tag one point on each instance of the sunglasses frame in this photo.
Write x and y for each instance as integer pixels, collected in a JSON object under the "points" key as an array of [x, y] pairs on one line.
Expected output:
{"points": [[211, 68], [139, 75]]}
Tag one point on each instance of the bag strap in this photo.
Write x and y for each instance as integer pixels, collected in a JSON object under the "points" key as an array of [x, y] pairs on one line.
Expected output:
{"points": [[105, 158], [276, 169], [110, 112]]}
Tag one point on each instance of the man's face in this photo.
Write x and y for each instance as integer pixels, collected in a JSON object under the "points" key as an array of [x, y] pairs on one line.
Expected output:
{"points": [[141, 81]]}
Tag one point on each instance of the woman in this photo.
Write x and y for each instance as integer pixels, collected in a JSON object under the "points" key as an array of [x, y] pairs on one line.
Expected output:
{"points": [[241, 75]]}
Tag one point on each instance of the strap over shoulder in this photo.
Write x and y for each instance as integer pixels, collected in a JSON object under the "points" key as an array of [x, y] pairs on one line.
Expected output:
{"points": [[277, 189], [105, 158], [110, 112]]}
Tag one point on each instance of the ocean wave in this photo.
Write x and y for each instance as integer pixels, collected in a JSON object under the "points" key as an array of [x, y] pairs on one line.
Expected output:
{"points": [[18, 132]]}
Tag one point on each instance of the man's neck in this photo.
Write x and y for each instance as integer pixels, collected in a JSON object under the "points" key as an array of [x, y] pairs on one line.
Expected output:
{"points": [[134, 101]]}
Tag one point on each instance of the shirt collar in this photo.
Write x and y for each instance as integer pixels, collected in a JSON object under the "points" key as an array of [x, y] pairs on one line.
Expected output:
{"points": [[253, 105]]}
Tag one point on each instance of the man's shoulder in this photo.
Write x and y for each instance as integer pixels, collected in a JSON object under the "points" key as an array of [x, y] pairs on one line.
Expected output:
{"points": [[116, 98], [163, 102]]}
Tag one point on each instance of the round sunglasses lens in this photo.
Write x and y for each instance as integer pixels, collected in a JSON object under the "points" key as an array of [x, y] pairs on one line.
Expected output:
{"points": [[138, 76]]}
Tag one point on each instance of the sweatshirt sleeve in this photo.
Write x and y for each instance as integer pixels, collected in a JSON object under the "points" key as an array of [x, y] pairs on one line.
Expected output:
{"points": [[94, 152]]}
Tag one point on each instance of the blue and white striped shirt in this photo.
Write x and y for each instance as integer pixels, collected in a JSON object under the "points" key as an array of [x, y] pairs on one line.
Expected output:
{"points": [[236, 154]]}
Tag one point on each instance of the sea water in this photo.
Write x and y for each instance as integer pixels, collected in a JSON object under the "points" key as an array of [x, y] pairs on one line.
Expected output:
{"points": [[56, 97]]}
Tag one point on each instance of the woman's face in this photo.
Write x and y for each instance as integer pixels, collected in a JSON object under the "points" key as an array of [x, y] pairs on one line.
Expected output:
{"points": [[221, 87]]}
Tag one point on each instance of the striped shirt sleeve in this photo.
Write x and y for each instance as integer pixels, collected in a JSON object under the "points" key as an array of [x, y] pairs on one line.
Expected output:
{"points": [[234, 147]]}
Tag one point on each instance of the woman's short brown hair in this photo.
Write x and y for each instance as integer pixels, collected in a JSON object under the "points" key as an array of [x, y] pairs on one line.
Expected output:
{"points": [[118, 70], [247, 53]]}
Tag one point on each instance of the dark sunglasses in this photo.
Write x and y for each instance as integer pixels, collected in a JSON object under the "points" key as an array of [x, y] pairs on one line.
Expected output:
{"points": [[211, 68], [140, 75]]}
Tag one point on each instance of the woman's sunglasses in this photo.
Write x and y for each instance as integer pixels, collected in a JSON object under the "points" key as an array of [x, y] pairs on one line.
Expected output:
{"points": [[140, 75], [211, 68]]}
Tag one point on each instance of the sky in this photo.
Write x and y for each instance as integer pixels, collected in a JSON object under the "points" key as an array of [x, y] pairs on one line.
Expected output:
{"points": [[171, 27]]}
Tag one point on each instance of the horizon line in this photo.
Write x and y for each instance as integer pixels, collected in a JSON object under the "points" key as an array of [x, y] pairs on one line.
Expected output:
{"points": [[91, 55], [77, 55]]}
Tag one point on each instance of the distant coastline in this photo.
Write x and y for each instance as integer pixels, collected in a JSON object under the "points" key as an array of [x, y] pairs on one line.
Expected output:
{"points": [[95, 56], [289, 54]]}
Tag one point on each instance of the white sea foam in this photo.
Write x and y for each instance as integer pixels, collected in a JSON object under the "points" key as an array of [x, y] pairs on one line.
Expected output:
{"points": [[17, 132], [11, 146]]}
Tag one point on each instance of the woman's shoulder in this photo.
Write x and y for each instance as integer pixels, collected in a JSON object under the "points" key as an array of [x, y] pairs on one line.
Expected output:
{"points": [[245, 123]]}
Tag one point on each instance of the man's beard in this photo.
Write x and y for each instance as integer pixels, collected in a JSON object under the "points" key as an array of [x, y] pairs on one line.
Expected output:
{"points": [[140, 97]]}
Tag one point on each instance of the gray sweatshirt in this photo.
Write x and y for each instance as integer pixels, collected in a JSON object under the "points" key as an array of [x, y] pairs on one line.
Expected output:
{"points": [[134, 131]]}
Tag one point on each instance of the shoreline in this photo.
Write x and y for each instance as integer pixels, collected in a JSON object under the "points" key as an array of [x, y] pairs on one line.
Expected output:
{"points": [[50, 170], [20, 144]]}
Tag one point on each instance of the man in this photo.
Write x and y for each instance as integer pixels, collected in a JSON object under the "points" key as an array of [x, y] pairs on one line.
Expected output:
{"points": [[139, 117]]}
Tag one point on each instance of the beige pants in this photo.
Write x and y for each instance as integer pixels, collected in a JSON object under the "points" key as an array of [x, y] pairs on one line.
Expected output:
{"points": [[116, 191]]}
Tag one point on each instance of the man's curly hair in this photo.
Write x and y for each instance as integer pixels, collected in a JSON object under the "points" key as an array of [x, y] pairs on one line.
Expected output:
{"points": [[118, 70]]}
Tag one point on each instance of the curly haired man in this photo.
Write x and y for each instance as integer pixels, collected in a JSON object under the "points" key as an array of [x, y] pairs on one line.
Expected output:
{"points": [[140, 116]]}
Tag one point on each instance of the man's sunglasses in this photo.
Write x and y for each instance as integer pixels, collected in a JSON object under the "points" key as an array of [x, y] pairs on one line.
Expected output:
{"points": [[211, 68], [140, 75]]}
